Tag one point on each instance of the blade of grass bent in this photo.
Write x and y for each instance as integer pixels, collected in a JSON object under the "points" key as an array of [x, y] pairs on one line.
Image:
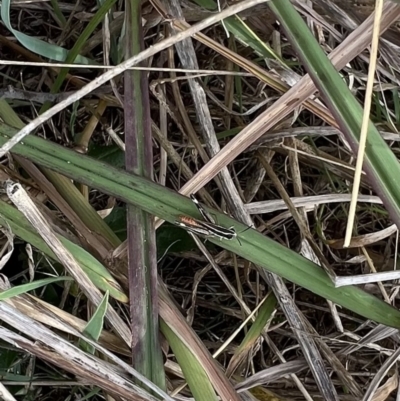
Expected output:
{"points": [[168, 205], [176, 322], [18, 195], [381, 165]]}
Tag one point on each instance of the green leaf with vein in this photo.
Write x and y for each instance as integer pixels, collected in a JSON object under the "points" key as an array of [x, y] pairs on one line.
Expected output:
{"points": [[168, 205]]}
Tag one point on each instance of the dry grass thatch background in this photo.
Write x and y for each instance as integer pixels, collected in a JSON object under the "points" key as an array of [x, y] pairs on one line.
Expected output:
{"points": [[302, 156]]}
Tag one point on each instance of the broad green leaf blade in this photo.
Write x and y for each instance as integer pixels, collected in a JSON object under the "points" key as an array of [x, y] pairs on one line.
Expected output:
{"points": [[24, 288], [168, 205], [48, 50]]}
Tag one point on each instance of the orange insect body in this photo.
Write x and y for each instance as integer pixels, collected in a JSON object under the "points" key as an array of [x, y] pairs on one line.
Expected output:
{"points": [[206, 229], [189, 221]]}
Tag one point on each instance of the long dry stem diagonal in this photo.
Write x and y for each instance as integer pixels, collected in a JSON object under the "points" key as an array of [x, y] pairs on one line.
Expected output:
{"points": [[124, 66]]}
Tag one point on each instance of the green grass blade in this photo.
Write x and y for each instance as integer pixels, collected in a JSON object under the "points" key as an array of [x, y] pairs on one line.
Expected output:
{"points": [[95, 325], [196, 377], [248, 37], [58, 13], [24, 288], [264, 315], [83, 37], [167, 204]]}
